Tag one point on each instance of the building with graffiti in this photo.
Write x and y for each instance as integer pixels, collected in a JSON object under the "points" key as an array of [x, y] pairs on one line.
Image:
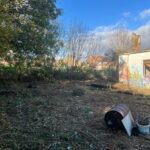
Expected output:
{"points": [[134, 69]]}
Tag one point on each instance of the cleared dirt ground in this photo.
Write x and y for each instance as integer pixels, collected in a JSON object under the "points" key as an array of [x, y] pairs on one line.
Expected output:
{"points": [[65, 115]]}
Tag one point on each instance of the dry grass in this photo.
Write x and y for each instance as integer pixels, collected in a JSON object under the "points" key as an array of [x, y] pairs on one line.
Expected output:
{"points": [[65, 115], [135, 90]]}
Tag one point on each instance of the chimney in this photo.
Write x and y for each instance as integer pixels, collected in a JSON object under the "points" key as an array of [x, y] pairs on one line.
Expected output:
{"points": [[136, 42]]}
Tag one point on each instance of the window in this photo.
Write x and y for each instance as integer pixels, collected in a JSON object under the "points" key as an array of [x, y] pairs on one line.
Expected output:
{"points": [[147, 68]]}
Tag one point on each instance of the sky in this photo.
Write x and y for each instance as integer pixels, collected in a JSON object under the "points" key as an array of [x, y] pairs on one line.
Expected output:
{"points": [[102, 16], [94, 13]]}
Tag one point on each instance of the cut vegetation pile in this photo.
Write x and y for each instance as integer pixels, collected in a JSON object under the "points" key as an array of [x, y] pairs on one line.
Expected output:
{"points": [[64, 115]]}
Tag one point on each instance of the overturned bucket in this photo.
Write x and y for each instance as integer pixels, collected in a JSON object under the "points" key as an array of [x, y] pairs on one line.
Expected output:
{"points": [[119, 117]]}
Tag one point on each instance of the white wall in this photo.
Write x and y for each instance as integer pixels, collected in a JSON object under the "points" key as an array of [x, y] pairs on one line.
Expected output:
{"points": [[131, 69]]}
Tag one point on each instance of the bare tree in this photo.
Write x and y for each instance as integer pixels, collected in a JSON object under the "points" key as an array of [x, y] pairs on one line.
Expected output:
{"points": [[62, 36], [80, 44], [120, 41], [75, 42], [93, 46]]}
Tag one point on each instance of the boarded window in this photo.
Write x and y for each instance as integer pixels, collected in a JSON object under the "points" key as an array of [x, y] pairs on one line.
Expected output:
{"points": [[147, 68]]}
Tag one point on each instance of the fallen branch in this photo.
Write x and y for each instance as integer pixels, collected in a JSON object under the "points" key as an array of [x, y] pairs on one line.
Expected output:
{"points": [[87, 134]]}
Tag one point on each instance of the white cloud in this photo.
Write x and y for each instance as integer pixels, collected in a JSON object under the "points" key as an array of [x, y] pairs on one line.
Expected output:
{"points": [[144, 14], [126, 14], [103, 33]]}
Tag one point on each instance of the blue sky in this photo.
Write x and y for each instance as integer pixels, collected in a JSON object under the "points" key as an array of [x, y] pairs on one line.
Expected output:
{"points": [[95, 13]]}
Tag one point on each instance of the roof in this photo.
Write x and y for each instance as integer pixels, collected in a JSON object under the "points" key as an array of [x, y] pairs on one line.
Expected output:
{"points": [[145, 51], [93, 60]]}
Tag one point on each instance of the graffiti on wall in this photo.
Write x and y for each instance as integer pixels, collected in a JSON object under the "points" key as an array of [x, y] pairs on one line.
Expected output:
{"points": [[134, 75], [124, 72], [137, 77], [136, 72], [146, 82]]}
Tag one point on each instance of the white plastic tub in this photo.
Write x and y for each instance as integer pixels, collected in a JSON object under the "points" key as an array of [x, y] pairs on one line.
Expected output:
{"points": [[143, 128]]}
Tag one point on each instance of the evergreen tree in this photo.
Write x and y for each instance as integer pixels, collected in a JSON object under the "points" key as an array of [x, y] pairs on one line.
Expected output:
{"points": [[28, 28]]}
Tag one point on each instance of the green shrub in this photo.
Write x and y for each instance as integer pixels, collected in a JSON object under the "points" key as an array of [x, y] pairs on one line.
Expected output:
{"points": [[8, 73], [63, 72], [38, 74], [70, 73]]}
